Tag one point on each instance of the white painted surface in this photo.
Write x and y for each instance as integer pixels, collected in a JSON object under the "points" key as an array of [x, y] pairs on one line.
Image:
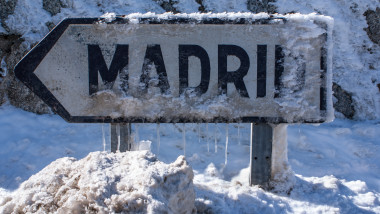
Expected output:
{"points": [[65, 71]]}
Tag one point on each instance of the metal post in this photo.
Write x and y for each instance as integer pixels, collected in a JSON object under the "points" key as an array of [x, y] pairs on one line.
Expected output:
{"points": [[113, 137], [261, 154], [125, 131]]}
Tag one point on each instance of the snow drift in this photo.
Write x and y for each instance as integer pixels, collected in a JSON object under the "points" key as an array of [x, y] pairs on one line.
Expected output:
{"points": [[105, 183]]}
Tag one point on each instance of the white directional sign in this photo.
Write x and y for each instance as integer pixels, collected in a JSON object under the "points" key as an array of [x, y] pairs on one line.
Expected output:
{"points": [[183, 69]]}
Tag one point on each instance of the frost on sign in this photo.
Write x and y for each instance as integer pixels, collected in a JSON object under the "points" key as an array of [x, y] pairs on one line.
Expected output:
{"points": [[185, 68]]}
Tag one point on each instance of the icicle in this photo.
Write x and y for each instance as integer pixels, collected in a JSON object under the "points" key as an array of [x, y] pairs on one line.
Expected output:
{"points": [[208, 144], [103, 138], [158, 139], [137, 137], [216, 140], [239, 133], [226, 148], [199, 133], [118, 137], [184, 139], [299, 135]]}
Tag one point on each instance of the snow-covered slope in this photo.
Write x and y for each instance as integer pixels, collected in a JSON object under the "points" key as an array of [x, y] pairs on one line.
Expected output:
{"points": [[336, 167]]}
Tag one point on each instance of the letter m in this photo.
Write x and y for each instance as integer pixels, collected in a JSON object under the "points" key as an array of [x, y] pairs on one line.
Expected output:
{"points": [[97, 64]]}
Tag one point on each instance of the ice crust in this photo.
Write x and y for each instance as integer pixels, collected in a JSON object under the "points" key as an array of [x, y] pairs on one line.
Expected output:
{"points": [[132, 182], [311, 26], [295, 104], [355, 62]]}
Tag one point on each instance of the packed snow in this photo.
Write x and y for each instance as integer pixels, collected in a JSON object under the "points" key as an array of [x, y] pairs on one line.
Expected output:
{"points": [[333, 168], [129, 182]]}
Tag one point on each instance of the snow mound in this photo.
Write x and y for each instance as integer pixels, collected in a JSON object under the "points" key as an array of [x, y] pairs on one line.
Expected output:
{"points": [[107, 183]]}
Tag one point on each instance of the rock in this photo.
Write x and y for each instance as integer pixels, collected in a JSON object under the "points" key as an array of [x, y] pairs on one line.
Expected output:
{"points": [[373, 21], [50, 25], [344, 101], [53, 6], [7, 7], [201, 7], [20, 96], [257, 6], [6, 43], [12, 49], [168, 5]]}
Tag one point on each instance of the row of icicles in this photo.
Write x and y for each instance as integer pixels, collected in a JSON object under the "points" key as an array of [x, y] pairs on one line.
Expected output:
{"points": [[136, 137]]}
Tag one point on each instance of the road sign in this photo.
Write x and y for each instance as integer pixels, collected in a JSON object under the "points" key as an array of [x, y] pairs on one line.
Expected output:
{"points": [[182, 69]]}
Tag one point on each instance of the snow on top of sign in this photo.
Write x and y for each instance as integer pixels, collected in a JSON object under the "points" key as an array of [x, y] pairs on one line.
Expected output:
{"points": [[108, 17], [299, 17], [295, 17], [134, 17], [200, 16], [129, 182]]}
